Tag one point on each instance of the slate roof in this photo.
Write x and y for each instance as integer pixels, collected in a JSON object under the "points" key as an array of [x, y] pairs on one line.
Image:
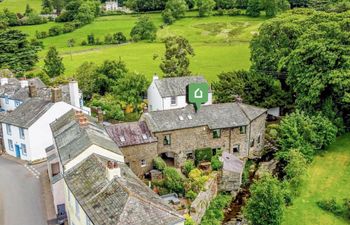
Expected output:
{"points": [[133, 133], [232, 163], [72, 139], [27, 113], [176, 86], [214, 116], [123, 200]]}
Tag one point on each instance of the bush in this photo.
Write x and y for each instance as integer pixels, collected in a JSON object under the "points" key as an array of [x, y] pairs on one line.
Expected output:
{"points": [[144, 29], [191, 195], [188, 166], [41, 34], [55, 30], [173, 180], [204, 154], [83, 43], [91, 39], [330, 206], [159, 163], [220, 12], [216, 164], [168, 17], [189, 220], [214, 215], [108, 39], [68, 27], [119, 38], [234, 12]]}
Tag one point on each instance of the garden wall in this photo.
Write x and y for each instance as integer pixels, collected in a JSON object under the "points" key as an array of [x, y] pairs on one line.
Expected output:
{"points": [[201, 203]]}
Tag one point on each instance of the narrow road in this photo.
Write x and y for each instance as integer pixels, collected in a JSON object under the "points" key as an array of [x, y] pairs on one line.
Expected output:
{"points": [[20, 196]]}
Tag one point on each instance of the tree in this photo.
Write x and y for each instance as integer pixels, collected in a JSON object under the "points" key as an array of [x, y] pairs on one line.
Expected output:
{"points": [[174, 9], [119, 38], [109, 105], [271, 7], [173, 180], [266, 204], [144, 29], [191, 3], [53, 63], [86, 75], [58, 5], [253, 8], [28, 10], [225, 4], [46, 6], [16, 52], [131, 88], [175, 62], [205, 7], [85, 14]]}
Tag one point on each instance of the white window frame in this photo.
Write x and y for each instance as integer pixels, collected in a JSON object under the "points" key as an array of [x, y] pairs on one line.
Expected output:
{"points": [[24, 149], [173, 100], [10, 144], [21, 132], [8, 129], [143, 162]]}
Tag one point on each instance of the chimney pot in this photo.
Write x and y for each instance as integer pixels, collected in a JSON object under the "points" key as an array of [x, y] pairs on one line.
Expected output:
{"points": [[33, 92], [113, 170], [56, 95], [99, 115]]}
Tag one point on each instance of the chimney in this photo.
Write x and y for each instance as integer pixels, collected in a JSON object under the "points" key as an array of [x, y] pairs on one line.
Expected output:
{"points": [[99, 115], [83, 121], [33, 92], [23, 82], [238, 99], [145, 109], [74, 93], [78, 114], [113, 170], [4, 80], [155, 77], [56, 95]]}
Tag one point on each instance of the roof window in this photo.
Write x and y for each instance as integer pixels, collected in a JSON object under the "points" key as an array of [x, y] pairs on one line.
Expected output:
{"points": [[122, 138], [144, 137]]}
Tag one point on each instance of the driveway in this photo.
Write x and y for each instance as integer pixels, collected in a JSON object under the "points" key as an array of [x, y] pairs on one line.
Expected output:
{"points": [[21, 201]]}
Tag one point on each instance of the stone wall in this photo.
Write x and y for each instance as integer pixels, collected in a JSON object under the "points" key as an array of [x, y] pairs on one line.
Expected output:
{"points": [[134, 154], [201, 203], [230, 181], [257, 129], [186, 141]]}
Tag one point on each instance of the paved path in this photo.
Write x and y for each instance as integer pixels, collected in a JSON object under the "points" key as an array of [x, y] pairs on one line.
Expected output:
{"points": [[21, 194]]}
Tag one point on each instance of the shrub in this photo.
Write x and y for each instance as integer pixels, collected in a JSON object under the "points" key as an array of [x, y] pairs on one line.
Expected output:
{"points": [[215, 213], [68, 27], [191, 195], [188, 166], [173, 180], [216, 164], [144, 29], [220, 12], [108, 39], [189, 220], [159, 163], [55, 30], [204, 154], [83, 43], [234, 12], [119, 38], [41, 34], [330, 205], [91, 39]]}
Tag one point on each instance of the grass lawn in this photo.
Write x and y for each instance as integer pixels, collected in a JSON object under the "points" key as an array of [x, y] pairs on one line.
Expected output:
{"points": [[19, 6], [328, 176], [224, 38]]}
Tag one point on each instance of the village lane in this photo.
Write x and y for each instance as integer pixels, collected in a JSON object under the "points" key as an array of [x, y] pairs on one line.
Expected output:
{"points": [[20, 195]]}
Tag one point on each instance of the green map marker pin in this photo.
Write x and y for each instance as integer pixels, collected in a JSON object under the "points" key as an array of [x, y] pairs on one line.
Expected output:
{"points": [[197, 94]]}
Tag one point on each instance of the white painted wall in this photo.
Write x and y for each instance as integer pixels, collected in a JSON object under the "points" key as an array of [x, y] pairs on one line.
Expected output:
{"points": [[58, 193], [16, 140], [40, 132], [91, 150], [155, 101]]}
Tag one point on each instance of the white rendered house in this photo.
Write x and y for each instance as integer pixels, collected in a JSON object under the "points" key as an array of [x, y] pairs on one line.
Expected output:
{"points": [[111, 5], [170, 93], [26, 130]]}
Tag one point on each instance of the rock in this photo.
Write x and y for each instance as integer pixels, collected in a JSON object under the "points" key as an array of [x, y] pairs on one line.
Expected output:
{"points": [[266, 167]]}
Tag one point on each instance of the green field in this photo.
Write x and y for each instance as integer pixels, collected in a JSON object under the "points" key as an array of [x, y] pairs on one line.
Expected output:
{"points": [[220, 43], [19, 6], [328, 176]]}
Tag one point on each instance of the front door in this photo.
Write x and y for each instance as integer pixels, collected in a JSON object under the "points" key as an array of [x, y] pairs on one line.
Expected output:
{"points": [[18, 151]]}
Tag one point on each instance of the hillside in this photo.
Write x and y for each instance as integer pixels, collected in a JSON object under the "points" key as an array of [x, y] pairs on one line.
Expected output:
{"points": [[328, 176], [18, 6]]}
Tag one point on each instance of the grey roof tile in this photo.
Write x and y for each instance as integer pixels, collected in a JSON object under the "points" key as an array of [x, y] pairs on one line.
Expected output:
{"points": [[176, 86], [232, 163]]}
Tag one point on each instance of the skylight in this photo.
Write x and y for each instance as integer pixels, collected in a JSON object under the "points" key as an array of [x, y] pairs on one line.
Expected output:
{"points": [[122, 138], [189, 116], [144, 136], [181, 118]]}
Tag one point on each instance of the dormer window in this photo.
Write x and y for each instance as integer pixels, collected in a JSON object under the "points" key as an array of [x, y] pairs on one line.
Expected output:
{"points": [[122, 138], [173, 100], [144, 137]]}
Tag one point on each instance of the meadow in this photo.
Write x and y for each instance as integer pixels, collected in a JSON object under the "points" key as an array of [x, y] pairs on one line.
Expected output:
{"points": [[221, 43], [19, 6], [328, 176]]}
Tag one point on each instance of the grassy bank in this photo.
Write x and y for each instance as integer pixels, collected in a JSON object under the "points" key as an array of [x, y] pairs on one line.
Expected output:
{"points": [[328, 176]]}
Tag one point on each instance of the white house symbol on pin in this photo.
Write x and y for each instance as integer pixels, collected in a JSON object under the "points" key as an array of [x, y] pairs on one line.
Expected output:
{"points": [[198, 93]]}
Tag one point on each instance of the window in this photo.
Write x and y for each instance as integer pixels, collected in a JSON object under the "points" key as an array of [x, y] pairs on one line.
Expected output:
{"points": [[77, 209], [8, 129], [189, 116], [216, 133], [144, 136], [21, 133], [143, 163], [235, 148], [122, 138], [189, 155], [167, 139], [10, 144], [6, 100], [259, 137], [173, 100], [243, 129], [17, 103], [252, 143], [181, 118], [24, 149]]}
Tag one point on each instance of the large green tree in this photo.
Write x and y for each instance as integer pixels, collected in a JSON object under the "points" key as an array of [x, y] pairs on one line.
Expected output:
{"points": [[174, 9], [86, 75], [144, 29], [205, 7], [265, 205], [53, 63], [253, 8], [176, 62], [16, 52]]}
